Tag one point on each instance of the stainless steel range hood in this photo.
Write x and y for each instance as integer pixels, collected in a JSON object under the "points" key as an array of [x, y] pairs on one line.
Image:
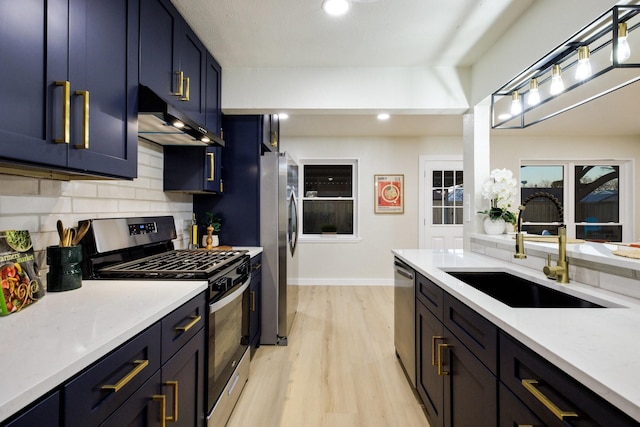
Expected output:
{"points": [[157, 122]]}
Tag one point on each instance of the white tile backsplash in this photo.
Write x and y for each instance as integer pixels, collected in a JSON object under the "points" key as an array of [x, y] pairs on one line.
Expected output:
{"points": [[35, 204]]}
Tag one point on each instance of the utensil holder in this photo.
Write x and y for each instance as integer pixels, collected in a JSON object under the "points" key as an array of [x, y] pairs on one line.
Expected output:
{"points": [[65, 272]]}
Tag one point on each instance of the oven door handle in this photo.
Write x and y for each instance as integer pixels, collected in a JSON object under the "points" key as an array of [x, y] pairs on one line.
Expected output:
{"points": [[228, 299]]}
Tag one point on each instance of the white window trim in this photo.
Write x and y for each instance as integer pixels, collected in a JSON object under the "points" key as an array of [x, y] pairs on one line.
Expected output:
{"points": [[334, 238], [625, 190]]}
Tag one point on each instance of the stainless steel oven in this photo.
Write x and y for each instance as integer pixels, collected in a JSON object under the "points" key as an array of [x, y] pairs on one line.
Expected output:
{"points": [[228, 324], [142, 248]]}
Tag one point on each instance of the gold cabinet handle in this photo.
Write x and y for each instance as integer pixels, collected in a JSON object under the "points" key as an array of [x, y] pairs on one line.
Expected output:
{"points": [[433, 349], [252, 294], [530, 386], [211, 167], [66, 105], [185, 328], [85, 119], [186, 89], [163, 408], [180, 80], [174, 417], [140, 365], [441, 348]]}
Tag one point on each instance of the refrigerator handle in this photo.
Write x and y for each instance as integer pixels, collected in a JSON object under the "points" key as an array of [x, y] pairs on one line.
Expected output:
{"points": [[293, 236]]}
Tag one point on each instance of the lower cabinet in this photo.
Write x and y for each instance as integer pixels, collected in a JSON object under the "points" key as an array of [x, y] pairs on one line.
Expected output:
{"points": [[456, 388], [155, 378], [551, 395], [461, 383], [45, 413], [255, 291]]}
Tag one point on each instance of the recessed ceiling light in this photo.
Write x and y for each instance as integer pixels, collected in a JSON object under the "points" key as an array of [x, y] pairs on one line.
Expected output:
{"points": [[335, 7], [383, 116], [283, 116]]}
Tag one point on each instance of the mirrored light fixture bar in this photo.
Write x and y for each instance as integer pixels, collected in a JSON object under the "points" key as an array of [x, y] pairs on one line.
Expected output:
{"points": [[602, 57]]}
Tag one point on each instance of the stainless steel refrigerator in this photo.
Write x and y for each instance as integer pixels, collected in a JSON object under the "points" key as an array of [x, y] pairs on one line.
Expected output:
{"points": [[278, 237]]}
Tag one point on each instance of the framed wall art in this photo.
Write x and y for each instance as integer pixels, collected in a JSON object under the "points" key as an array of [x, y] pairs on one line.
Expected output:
{"points": [[389, 194]]}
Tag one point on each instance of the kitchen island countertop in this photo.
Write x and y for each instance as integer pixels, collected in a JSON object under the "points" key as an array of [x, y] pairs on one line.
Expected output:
{"points": [[599, 347], [65, 332]]}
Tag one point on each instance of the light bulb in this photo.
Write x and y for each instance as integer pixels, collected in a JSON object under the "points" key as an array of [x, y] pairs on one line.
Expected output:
{"points": [[534, 93], [583, 70], [178, 124], [557, 85], [335, 7], [516, 106], [624, 51]]}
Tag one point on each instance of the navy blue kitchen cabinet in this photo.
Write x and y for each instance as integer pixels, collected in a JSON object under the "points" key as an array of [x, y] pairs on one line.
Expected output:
{"points": [[173, 61], [69, 88], [45, 413], [271, 132], [213, 97], [192, 169], [239, 206], [255, 292]]}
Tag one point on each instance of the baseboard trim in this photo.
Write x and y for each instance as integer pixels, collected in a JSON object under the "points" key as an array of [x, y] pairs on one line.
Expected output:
{"points": [[342, 282]]}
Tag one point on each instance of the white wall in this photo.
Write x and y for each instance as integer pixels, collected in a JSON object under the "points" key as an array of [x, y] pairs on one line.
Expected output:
{"points": [[36, 204], [368, 261]]}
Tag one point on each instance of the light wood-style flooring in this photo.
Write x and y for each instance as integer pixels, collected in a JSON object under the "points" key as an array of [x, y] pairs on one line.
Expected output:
{"points": [[339, 369]]}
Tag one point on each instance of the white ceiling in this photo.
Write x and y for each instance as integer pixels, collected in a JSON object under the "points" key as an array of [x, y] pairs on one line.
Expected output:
{"points": [[382, 33]]}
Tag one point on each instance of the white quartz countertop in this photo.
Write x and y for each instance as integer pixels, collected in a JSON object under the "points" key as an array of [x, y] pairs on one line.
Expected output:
{"points": [[58, 336], [599, 347], [253, 250]]}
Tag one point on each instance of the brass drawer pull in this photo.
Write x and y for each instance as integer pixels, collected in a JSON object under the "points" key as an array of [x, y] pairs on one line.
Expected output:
{"points": [[163, 408], [186, 90], [140, 365], [66, 101], [174, 417], [531, 388], [85, 119], [433, 349], [185, 328], [180, 79], [212, 173], [441, 348]]}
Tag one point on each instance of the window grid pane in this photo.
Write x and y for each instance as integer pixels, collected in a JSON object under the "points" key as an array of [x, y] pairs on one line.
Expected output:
{"points": [[447, 196]]}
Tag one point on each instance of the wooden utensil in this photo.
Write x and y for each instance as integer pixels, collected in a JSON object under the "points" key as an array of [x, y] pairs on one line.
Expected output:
{"points": [[82, 230], [60, 232]]}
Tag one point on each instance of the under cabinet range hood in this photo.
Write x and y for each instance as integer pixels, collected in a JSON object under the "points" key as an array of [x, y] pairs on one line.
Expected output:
{"points": [[163, 124]]}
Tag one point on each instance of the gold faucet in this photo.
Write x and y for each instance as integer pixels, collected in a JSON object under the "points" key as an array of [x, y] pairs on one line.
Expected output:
{"points": [[519, 237], [560, 271]]}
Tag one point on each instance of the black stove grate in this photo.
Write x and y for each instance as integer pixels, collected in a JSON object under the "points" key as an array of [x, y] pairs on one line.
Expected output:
{"points": [[175, 264]]}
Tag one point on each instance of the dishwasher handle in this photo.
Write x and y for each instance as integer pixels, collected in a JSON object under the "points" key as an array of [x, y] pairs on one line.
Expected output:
{"points": [[401, 270]]}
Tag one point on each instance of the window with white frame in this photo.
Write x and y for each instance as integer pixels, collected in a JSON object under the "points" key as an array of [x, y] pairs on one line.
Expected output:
{"points": [[584, 195], [329, 197]]}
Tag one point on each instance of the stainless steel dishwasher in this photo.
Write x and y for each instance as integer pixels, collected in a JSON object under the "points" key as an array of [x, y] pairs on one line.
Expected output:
{"points": [[404, 309]]}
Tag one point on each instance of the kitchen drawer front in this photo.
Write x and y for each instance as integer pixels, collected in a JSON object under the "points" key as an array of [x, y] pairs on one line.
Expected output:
{"points": [[518, 362], [474, 331], [45, 413], [182, 324], [513, 412], [86, 403], [256, 265], [430, 294]]}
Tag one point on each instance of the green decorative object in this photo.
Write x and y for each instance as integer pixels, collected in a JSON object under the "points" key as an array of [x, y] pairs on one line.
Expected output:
{"points": [[64, 273]]}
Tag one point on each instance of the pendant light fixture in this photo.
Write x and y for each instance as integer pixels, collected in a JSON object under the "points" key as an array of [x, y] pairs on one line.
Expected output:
{"points": [[562, 79], [557, 85], [583, 69], [516, 105], [624, 51], [534, 93]]}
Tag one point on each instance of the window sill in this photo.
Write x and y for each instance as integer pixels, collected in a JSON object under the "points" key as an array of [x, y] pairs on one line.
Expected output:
{"points": [[329, 238]]}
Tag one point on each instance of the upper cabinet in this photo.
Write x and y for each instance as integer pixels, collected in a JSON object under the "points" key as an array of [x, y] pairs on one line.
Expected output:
{"points": [[213, 118], [271, 132], [69, 91], [173, 61]]}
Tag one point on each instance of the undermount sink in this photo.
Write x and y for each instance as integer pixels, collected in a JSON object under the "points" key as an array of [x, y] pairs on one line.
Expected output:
{"points": [[517, 292]]}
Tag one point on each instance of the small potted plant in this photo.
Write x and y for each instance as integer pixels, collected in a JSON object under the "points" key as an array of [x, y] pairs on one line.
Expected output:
{"points": [[213, 223]]}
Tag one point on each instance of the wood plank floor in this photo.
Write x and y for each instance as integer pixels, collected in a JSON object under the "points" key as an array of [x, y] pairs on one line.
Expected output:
{"points": [[339, 369]]}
